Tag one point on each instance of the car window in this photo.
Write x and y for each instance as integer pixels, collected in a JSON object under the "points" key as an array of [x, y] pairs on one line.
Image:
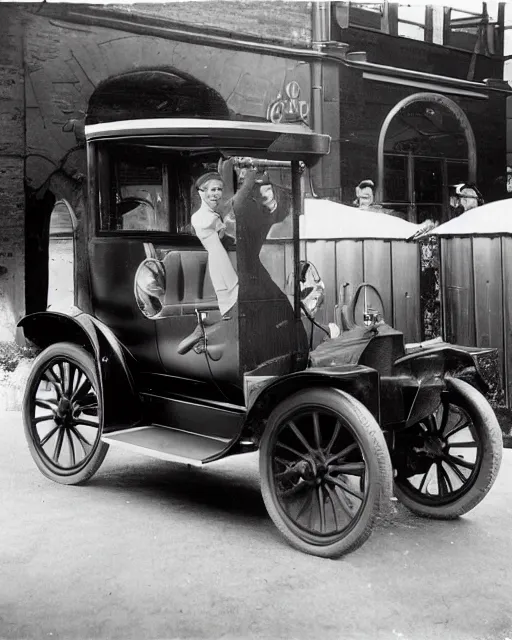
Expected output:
{"points": [[143, 192]]}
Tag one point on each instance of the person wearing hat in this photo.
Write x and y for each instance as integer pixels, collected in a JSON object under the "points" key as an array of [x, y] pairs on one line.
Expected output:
{"points": [[210, 229], [463, 197], [365, 194], [365, 199]]}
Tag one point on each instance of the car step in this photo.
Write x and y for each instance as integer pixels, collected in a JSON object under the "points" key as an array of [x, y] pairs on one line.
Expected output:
{"points": [[169, 444]]}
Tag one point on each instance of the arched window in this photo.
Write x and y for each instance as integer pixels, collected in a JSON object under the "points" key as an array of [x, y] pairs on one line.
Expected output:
{"points": [[425, 145]]}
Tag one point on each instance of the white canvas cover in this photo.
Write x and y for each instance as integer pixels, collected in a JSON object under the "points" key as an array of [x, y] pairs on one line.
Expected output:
{"points": [[324, 219], [493, 218]]}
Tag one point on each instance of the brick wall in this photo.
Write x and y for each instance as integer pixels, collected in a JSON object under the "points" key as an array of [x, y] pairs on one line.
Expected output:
{"points": [[12, 200], [282, 21]]}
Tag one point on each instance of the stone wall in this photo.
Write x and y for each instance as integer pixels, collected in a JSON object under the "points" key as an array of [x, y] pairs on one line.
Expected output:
{"points": [[12, 246]]}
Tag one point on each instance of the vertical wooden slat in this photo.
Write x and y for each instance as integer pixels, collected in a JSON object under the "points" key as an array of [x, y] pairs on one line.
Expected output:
{"points": [[406, 289], [349, 269], [459, 308], [443, 246], [488, 294], [506, 243], [272, 258], [377, 271], [322, 254]]}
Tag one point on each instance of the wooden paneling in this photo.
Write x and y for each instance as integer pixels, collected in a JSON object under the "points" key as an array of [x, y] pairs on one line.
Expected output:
{"points": [[458, 291], [272, 257], [488, 293], [377, 271], [349, 265], [506, 244], [392, 267], [322, 254], [405, 289]]}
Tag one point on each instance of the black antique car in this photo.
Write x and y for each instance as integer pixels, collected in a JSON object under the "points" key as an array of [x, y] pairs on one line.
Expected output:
{"points": [[182, 345]]}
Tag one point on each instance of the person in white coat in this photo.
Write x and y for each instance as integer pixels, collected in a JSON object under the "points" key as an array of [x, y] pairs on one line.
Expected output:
{"points": [[210, 229]]}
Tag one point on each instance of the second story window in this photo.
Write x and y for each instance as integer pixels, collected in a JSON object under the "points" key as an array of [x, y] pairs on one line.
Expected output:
{"points": [[477, 28]]}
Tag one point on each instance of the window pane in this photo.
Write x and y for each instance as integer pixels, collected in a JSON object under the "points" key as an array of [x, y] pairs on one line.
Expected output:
{"points": [[395, 179], [457, 172], [139, 197], [411, 31], [426, 129], [428, 181], [365, 15], [412, 13]]}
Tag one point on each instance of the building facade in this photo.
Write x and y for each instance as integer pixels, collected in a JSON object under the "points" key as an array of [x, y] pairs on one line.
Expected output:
{"points": [[413, 105]]}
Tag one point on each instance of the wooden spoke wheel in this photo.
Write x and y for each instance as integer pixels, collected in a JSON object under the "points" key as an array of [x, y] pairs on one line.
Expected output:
{"points": [[325, 471], [62, 414], [447, 463]]}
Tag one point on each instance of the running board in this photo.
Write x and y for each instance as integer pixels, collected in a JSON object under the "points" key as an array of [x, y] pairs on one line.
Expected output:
{"points": [[169, 444]]}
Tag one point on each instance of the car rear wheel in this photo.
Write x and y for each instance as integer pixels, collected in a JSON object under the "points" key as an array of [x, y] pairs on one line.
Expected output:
{"points": [[325, 471], [446, 464], [62, 414]]}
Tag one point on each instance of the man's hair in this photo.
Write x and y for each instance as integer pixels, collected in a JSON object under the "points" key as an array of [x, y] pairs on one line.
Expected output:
{"points": [[206, 177]]}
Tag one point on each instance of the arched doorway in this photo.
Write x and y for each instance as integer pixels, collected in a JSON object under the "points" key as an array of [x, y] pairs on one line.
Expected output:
{"points": [[61, 255], [426, 144]]}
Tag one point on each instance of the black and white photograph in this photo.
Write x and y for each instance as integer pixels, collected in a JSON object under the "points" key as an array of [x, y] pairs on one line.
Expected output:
{"points": [[255, 320]]}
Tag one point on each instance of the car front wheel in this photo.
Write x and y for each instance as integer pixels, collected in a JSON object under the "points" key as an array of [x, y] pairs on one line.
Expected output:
{"points": [[325, 471], [62, 414], [446, 464]]}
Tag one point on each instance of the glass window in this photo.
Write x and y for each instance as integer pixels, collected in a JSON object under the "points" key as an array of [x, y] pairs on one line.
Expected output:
{"points": [[428, 181], [395, 179], [139, 196], [411, 22], [426, 129], [367, 14], [144, 192]]}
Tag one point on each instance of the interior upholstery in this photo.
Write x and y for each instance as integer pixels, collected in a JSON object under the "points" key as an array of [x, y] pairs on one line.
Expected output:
{"points": [[188, 283]]}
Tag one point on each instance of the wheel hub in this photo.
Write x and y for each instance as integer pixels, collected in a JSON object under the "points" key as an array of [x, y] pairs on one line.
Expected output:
{"points": [[433, 447], [63, 412]]}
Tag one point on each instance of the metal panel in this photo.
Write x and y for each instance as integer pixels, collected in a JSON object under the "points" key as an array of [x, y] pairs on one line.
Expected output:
{"points": [[405, 271], [377, 271], [506, 243], [458, 296], [322, 254]]}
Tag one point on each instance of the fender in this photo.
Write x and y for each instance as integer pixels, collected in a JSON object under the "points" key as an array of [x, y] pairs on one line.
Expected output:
{"points": [[120, 400], [263, 393], [413, 391], [443, 360]]}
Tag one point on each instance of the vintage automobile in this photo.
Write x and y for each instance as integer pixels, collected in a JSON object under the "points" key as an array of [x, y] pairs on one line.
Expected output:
{"points": [[181, 345]]}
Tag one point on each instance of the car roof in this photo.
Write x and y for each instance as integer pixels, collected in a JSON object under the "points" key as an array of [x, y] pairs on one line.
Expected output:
{"points": [[233, 137]]}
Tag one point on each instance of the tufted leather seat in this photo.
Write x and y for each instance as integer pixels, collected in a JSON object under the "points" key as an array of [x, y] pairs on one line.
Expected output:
{"points": [[188, 283]]}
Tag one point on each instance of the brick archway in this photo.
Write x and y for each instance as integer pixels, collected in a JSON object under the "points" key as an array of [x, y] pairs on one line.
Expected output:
{"points": [[154, 93]]}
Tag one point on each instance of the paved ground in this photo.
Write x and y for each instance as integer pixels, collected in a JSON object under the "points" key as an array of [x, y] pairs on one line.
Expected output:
{"points": [[151, 550]]}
